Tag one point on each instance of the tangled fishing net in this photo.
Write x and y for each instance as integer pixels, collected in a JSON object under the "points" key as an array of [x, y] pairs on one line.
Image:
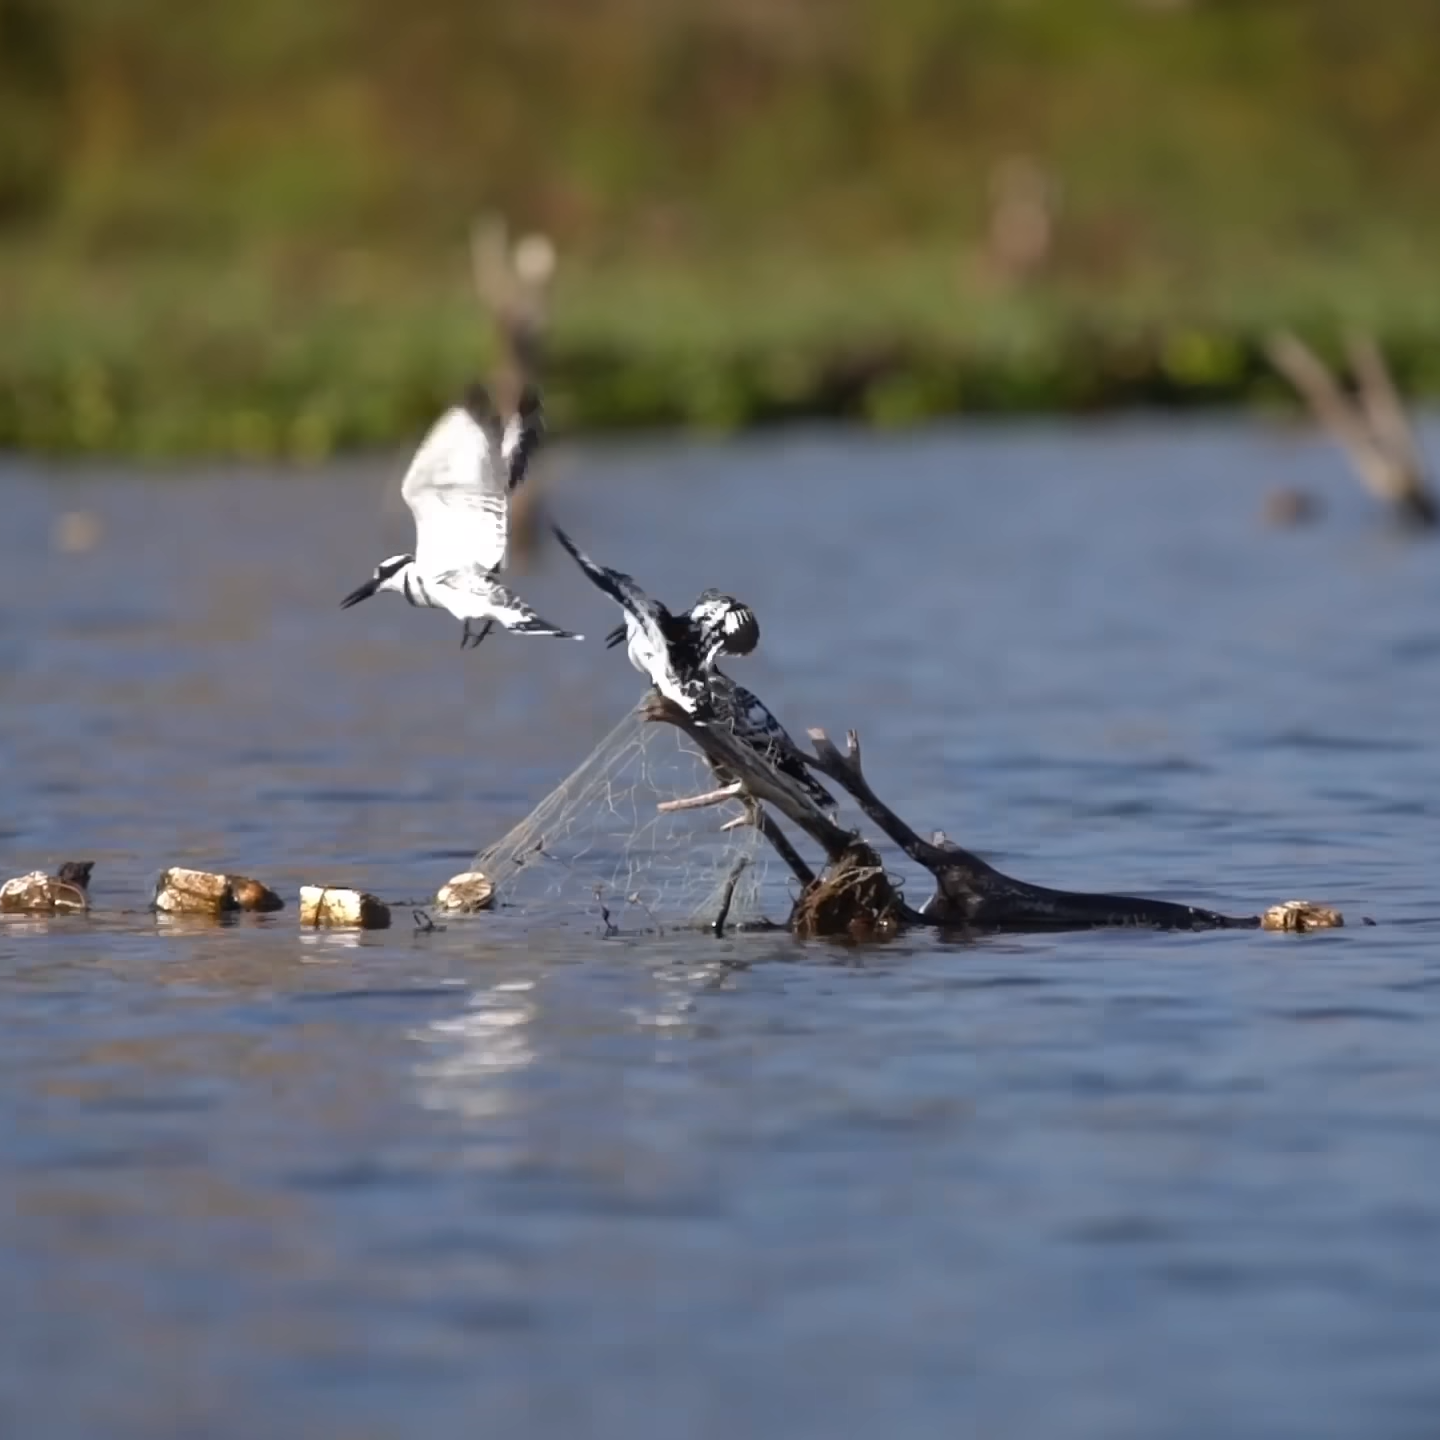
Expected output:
{"points": [[598, 847]]}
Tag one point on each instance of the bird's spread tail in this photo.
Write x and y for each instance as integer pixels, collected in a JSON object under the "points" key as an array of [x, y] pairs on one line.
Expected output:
{"points": [[515, 615], [534, 625]]}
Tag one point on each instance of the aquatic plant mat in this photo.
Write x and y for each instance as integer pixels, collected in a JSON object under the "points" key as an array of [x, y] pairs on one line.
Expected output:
{"points": [[599, 847]]}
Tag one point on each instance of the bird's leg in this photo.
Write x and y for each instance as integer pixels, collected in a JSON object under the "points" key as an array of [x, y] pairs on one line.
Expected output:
{"points": [[472, 638]]}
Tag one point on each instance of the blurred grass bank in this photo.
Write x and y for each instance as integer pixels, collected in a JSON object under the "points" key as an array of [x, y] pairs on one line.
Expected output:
{"points": [[243, 230]]}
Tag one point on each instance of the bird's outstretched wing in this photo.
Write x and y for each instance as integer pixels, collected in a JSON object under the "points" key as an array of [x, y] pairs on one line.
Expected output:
{"points": [[514, 614], [524, 431], [650, 615], [458, 491]]}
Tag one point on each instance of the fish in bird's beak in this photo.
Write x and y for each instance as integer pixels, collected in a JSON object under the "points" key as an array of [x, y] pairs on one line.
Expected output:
{"points": [[364, 592]]}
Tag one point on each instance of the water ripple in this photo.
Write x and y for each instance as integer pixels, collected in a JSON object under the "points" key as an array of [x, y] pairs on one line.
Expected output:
{"points": [[281, 1182]]}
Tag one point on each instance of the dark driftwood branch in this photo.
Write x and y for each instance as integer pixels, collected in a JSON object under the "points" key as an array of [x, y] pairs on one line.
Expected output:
{"points": [[845, 771], [727, 896], [761, 781], [854, 895], [780, 843], [971, 893], [1371, 427]]}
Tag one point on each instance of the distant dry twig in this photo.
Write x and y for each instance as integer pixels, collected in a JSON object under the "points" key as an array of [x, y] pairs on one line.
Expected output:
{"points": [[1370, 424], [512, 284]]}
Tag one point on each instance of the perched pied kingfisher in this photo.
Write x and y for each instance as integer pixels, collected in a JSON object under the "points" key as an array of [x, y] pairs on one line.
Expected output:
{"points": [[675, 651], [458, 489], [750, 721], [726, 627], [678, 653]]}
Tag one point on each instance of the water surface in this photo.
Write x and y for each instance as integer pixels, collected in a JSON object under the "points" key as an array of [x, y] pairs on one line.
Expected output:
{"points": [[1101, 1185]]}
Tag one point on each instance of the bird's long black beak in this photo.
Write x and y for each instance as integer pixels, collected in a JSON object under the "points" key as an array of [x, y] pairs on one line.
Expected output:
{"points": [[614, 637], [364, 592]]}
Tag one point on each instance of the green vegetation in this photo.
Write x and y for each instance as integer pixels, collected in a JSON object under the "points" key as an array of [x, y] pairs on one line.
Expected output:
{"points": [[243, 229]]}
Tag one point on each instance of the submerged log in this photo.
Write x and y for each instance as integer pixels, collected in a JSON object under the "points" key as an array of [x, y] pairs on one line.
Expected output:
{"points": [[341, 907], [1370, 425], [971, 894], [40, 894], [853, 895]]}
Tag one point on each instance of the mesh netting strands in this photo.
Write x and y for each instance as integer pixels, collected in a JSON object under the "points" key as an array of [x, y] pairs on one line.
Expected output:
{"points": [[598, 846]]}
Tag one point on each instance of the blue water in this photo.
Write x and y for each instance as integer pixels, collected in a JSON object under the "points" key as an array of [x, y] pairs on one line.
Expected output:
{"points": [[265, 1182]]}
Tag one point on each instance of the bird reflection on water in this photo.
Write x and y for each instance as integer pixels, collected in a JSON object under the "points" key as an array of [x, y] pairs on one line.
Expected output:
{"points": [[471, 1056]]}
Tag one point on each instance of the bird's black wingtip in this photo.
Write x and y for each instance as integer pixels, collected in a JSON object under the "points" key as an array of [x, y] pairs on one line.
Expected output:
{"points": [[531, 405], [478, 403], [617, 585], [576, 553]]}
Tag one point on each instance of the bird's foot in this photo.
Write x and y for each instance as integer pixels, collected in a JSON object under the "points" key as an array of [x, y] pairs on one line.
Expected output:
{"points": [[470, 638]]}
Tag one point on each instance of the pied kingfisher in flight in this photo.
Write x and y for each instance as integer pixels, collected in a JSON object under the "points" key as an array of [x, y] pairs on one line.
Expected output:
{"points": [[458, 489], [679, 654]]}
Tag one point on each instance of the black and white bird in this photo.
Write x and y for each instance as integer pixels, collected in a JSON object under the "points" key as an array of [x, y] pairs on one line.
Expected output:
{"points": [[458, 489], [675, 651], [746, 716], [678, 653], [723, 626]]}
